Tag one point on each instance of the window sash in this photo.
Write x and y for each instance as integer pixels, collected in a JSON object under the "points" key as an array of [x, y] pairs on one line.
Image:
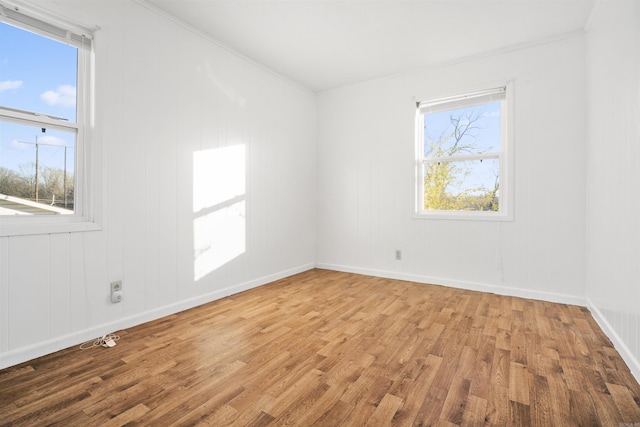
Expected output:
{"points": [[48, 25], [462, 157], [453, 159], [30, 118], [461, 101], [467, 191]]}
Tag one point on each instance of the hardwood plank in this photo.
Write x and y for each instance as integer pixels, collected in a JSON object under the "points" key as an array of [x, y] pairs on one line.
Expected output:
{"points": [[328, 399], [416, 392], [456, 400], [541, 407], [625, 403], [337, 415], [500, 369], [520, 414], [223, 416], [385, 411], [581, 406], [519, 383], [327, 348], [498, 407], [475, 412], [434, 403], [132, 414], [561, 399], [299, 396], [481, 375], [207, 408]]}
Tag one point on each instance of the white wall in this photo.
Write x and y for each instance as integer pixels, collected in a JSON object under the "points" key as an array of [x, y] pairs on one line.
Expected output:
{"points": [[166, 96], [613, 174], [366, 164]]}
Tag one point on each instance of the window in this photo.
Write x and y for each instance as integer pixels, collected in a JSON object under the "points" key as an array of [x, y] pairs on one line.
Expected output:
{"points": [[462, 163], [44, 111]]}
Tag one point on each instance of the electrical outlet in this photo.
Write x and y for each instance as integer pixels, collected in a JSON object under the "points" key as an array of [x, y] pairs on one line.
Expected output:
{"points": [[398, 254], [116, 286], [116, 297]]}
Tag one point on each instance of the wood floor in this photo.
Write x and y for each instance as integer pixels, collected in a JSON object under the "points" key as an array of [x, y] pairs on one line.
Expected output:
{"points": [[328, 349]]}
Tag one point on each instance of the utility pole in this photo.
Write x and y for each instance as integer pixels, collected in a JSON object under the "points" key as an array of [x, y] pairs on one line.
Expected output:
{"points": [[64, 183], [36, 168], [36, 144]]}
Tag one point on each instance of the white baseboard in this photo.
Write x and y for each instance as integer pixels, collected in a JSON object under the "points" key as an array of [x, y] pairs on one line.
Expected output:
{"points": [[27, 353], [461, 284], [632, 362]]}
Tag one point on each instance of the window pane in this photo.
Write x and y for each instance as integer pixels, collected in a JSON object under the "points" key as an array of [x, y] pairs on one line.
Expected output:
{"points": [[471, 185], [470, 130], [25, 150], [37, 74]]}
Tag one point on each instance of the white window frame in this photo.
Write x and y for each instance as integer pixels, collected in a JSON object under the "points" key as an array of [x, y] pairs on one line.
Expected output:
{"points": [[47, 24], [504, 156]]}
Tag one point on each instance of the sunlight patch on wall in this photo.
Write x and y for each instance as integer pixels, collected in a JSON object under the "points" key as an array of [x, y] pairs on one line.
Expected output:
{"points": [[219, 208], [218, 176], [218, 237]]}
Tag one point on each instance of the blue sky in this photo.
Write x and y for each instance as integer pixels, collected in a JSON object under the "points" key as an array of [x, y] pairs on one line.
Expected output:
{"points": [[39, 75], [485, 139]]}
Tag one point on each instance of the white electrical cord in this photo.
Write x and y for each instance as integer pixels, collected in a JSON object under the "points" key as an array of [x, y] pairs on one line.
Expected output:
{"points": [[103, 341]]}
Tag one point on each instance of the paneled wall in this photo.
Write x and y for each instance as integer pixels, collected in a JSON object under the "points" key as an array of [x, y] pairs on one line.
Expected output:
{"points": [[613, 174], [205, 186], [366, 179]]}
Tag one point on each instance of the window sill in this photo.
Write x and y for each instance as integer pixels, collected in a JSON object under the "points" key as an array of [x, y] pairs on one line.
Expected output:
{"points": [[463, 216], [7, 230]]}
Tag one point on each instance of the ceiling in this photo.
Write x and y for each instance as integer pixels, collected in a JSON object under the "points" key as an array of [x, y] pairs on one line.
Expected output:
{"points": [[323, 44]]}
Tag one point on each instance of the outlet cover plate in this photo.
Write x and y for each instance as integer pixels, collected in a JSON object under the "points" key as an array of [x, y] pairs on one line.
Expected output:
{"points": [[116, 286]]}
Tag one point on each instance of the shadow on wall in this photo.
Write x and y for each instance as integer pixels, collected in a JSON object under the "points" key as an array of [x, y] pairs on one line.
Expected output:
{"points": [[219, 208]]}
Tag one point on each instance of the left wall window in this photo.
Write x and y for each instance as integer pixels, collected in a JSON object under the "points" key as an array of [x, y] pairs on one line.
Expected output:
{"points": [[45, 67]]}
